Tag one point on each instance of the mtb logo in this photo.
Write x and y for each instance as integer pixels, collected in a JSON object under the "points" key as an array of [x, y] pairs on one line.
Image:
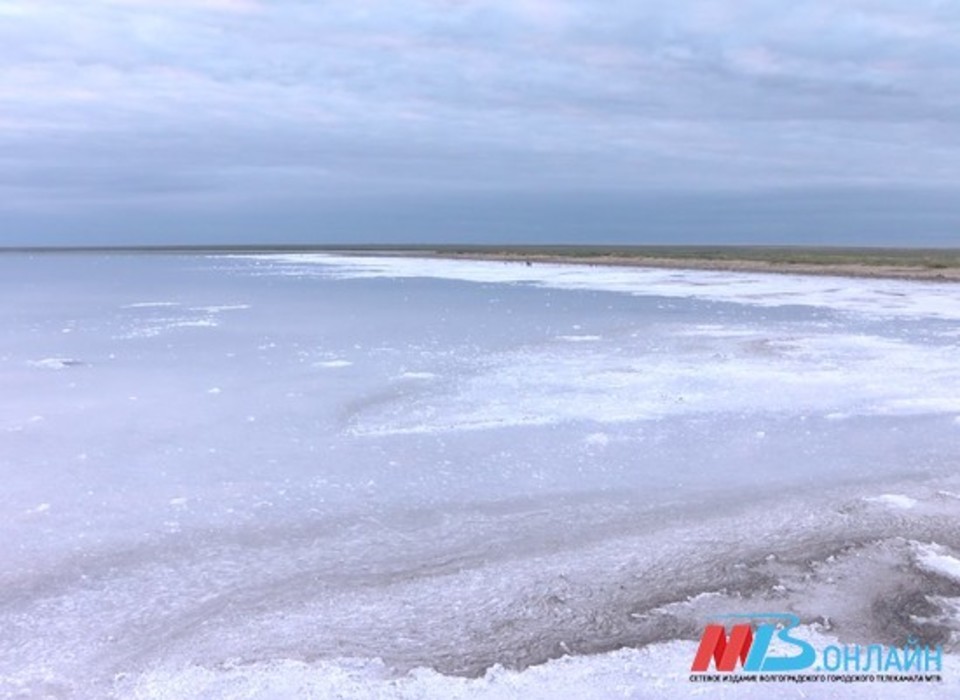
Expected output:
{"points": [[765, 649], [749, 644]]}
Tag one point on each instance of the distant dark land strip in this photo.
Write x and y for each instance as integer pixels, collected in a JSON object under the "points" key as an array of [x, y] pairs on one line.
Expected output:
{"points": [[933, 264], [899, 263]]}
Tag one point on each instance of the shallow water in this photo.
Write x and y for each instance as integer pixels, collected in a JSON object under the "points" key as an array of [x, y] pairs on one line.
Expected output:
{"points": [[229, 473]]}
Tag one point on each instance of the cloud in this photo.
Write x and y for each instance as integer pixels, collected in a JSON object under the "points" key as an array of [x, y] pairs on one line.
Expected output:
{"points": [[233, 100]]}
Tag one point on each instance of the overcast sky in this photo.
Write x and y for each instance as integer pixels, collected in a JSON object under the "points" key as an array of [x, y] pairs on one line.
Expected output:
{"points": [[527, 120]]}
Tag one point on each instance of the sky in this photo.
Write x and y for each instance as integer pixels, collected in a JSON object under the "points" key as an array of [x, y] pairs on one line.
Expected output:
{"points": [[363, 121]]}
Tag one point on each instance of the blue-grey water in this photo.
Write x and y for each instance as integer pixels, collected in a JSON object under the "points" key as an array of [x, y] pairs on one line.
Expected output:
{"points": [[218, 462]]}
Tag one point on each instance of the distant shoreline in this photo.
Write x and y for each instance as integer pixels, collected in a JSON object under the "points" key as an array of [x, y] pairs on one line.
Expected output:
{"points": [[920, 264], [826, 269]]}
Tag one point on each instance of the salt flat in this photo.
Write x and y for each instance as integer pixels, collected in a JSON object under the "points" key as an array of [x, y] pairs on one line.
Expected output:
{"points": [[394, 477]]}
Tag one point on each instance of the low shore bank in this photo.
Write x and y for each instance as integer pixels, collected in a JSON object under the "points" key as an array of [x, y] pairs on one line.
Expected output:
{"points": [[908, 270]]}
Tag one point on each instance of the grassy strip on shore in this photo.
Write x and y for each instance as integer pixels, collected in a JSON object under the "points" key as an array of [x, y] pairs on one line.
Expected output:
{"points": [[900, 263]]}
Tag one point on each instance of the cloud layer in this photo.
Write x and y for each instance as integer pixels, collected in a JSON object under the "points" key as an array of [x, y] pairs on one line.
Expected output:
{"points": [[200, 107]]}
